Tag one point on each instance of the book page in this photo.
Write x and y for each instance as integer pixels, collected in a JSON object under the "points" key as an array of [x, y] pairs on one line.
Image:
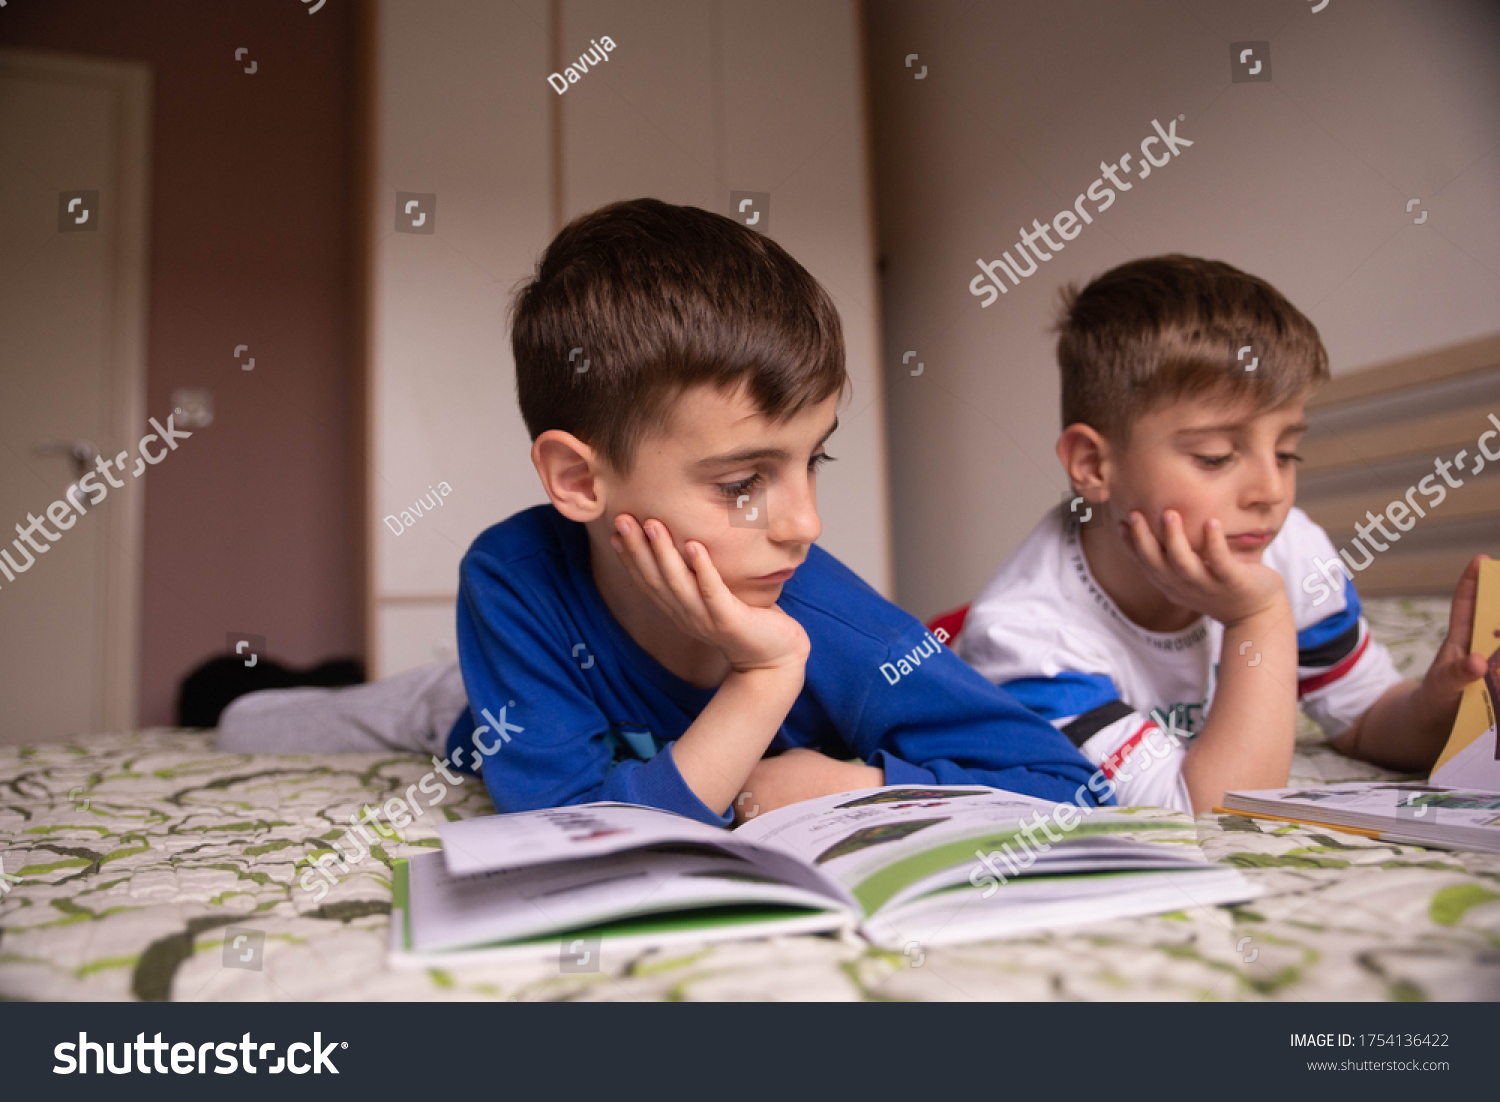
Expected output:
{"points": [[821, 832], [1394, 803], [570, 833], [497, 906], [885, 845]]}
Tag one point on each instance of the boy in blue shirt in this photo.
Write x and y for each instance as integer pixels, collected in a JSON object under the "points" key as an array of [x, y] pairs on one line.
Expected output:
{"points": [[665, 632], [667, 621]]}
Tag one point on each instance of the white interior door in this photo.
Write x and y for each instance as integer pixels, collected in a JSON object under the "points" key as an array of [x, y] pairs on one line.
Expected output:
{"points": [[72, 374]]}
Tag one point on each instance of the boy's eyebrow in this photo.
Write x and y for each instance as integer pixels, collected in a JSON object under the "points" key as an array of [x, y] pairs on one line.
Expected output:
{"points": [[1204, 430], [1300, 426], [751, 455]]}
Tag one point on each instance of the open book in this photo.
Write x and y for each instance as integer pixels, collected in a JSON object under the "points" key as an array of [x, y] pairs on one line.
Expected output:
{"points": [[900, 865], [1411, 814], [1459, 807]]}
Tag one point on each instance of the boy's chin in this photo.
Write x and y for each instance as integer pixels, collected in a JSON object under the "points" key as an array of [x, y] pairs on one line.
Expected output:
{"points": [[757, 594]]}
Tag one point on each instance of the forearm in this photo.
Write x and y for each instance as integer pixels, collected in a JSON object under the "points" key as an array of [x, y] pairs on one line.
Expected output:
{"points": [[716, 754], [830, 777], [801, 774], [1250, 733], [1401, 730]]}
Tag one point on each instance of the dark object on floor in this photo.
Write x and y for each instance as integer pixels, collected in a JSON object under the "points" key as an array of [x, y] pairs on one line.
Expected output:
{"points": [[209, 689]]}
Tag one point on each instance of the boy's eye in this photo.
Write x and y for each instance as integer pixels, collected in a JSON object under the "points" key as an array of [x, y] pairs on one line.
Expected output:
{"points": [[1213, 462], [733, 490], [1288, 457]]}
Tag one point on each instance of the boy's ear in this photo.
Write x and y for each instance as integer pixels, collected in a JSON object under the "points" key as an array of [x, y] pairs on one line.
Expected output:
{"points": [[1086, 458], [569, 470]]}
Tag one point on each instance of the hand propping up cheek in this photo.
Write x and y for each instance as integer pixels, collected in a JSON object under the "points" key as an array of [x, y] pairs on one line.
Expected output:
{"points": [[1214, 582], [690, 591]]}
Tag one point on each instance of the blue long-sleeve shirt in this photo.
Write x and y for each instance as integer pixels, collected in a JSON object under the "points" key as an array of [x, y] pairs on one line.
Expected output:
{"points": [[567, 708]]}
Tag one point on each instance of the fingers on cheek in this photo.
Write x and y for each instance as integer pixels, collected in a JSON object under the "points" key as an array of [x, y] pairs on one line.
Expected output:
{"points": [[1158, 535], [1147, 543]]}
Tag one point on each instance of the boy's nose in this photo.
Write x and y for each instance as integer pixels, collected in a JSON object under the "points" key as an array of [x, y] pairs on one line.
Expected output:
{"points": [[1269, 482], [794, 514]]}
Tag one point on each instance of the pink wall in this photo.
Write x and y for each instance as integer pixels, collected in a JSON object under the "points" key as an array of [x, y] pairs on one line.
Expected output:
{"points": [[254, 190]]}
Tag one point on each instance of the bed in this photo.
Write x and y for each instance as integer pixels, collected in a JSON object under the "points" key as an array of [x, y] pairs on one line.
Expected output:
{"points": [[145, 865]]}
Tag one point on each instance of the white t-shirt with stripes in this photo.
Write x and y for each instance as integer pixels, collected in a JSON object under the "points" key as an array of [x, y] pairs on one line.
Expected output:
{"points": [[1045, 630]]}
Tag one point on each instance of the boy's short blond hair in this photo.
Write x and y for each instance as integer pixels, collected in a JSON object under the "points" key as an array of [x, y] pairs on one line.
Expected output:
{"points": [[1174, 326]]}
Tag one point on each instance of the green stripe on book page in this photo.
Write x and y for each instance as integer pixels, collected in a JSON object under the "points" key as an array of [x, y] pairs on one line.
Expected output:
{"points": [[702, 918], [401, 897], [875, 890], [1097, 874]]}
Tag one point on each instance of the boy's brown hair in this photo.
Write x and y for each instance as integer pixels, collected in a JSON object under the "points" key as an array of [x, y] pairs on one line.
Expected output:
{"points": [[1173, 326], [657, 298]]}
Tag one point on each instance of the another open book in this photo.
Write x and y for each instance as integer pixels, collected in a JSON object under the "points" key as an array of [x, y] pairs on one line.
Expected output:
{"points": [[1459, 808], [1413, 814], [900, 865]]}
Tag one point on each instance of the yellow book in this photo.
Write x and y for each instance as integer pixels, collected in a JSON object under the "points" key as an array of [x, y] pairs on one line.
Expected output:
{"points": [[1472, 757]]}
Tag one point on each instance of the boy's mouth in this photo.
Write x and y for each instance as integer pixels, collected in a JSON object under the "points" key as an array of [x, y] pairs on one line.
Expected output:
{"points": [[1252, 540], [776, 578]]}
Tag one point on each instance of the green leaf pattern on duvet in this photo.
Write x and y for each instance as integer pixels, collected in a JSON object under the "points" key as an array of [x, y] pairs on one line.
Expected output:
{"points": [[127, 889]]}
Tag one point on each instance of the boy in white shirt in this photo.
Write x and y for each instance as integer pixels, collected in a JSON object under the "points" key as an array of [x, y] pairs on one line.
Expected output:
{"points": [[1166, 600]]}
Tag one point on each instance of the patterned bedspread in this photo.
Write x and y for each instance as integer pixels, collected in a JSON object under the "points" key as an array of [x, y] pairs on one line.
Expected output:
{"points": [[146, 865]]}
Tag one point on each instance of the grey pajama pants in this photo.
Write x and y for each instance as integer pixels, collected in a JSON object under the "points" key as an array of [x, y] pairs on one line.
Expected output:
{"points": [[411, 712]]}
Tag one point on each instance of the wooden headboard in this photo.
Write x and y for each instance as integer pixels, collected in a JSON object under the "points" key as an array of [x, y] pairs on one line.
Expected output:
{"points": [[1377, 433]]}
